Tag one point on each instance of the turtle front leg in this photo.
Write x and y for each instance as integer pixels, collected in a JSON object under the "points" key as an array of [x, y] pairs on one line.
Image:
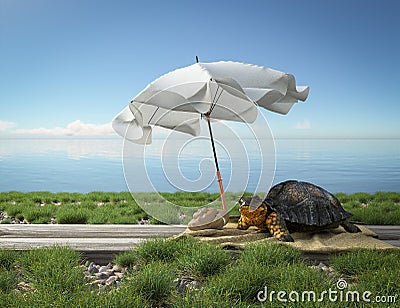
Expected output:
{"points": [[277, 227], [244, 223]]}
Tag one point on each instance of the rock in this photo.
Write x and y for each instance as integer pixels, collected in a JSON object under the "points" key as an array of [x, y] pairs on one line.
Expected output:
{"points": [[194, 285], [15, 221], [143, 221], [186, 283], [25, 287], [322, 266], [101, 275], [116, 268], [208, 218], [111, 280], [99, 282], [106, 276], [103, 269], [109, 272], [118, 274], [92, 268]]}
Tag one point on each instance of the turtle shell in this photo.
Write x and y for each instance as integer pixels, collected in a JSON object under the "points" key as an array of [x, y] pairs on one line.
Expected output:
{"points": [[305, 203]]}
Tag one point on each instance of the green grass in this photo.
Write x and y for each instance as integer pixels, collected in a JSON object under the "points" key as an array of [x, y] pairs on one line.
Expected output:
{"points": [[153, 282], [203, 261], [367, 261], [44, 268], [7, 258], [151, 250], [69, 215], [270, 255], [121, 208], [8, 281], [56, 278], [381, 208], [369, 270], [8, 276]]}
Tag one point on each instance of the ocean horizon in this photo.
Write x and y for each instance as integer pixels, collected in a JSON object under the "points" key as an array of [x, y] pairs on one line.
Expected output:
{"points": [[98, 164]]}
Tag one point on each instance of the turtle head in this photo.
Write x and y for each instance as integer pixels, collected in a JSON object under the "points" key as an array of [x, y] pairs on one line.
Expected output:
{"points": [[244, 201], [251, 202]]}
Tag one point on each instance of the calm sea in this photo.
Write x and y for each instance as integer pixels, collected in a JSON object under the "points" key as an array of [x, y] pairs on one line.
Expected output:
{"points": [[84, 165]]}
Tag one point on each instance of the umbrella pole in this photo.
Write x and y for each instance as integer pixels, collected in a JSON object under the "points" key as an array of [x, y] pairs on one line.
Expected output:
{"points": [[221, 187]]}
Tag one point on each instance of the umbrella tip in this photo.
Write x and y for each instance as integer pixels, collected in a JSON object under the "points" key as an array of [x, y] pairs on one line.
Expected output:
{"points": [[197, 59]]}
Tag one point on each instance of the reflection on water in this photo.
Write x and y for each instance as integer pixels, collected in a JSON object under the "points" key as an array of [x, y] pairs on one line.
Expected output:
{"points": [[76, 165], [69, 148], [85, 165], [341, 165]]}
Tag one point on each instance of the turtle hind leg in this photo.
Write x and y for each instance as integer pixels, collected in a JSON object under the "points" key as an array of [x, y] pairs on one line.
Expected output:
{"points": [[277, 227], [349, 227]]}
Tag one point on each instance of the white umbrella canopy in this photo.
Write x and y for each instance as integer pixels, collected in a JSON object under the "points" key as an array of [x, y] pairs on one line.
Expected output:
{"points": [[229, 91], [232, 90]]}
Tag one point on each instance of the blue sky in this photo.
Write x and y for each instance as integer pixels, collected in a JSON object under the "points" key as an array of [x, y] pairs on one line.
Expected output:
{"points": [[68, 67]]}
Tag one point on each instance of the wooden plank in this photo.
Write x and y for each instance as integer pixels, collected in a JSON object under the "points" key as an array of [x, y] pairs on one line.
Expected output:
{"points": [[101, 243], [386, 233], [124, 233], [393, 242], [81, 244], [97, 243], [88, 231]]}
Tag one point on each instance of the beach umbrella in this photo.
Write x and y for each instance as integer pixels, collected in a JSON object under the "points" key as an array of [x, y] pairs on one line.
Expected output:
{"points": [[230, 91]]}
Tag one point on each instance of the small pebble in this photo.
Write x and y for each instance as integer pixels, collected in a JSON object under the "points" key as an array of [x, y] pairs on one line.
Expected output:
{"points": [[116, 268], [105, 276], [103, 269], [109, 272], [101, 275], [118, 274], [99, 282], [111, 280], [92, 268]]}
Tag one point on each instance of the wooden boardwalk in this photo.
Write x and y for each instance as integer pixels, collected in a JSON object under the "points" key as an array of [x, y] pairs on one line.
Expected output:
{"points": [[100, 243], [388, 234]]}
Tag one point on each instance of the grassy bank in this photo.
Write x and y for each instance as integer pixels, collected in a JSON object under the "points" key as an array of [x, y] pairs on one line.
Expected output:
{"points": [[121, 208], [187, 273]]}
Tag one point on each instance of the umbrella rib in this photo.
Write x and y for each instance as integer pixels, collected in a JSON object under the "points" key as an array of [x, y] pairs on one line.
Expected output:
{"points": [[215, 95], [151, 118], [220, 93], [214, 101]]}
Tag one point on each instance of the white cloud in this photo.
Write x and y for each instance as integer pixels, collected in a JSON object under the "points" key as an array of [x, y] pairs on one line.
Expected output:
{"points": [[76, 128], [303, 125], [4, 125]]}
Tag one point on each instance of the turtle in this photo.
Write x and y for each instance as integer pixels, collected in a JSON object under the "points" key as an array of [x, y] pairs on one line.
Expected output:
{"points": [[294, 206]]}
